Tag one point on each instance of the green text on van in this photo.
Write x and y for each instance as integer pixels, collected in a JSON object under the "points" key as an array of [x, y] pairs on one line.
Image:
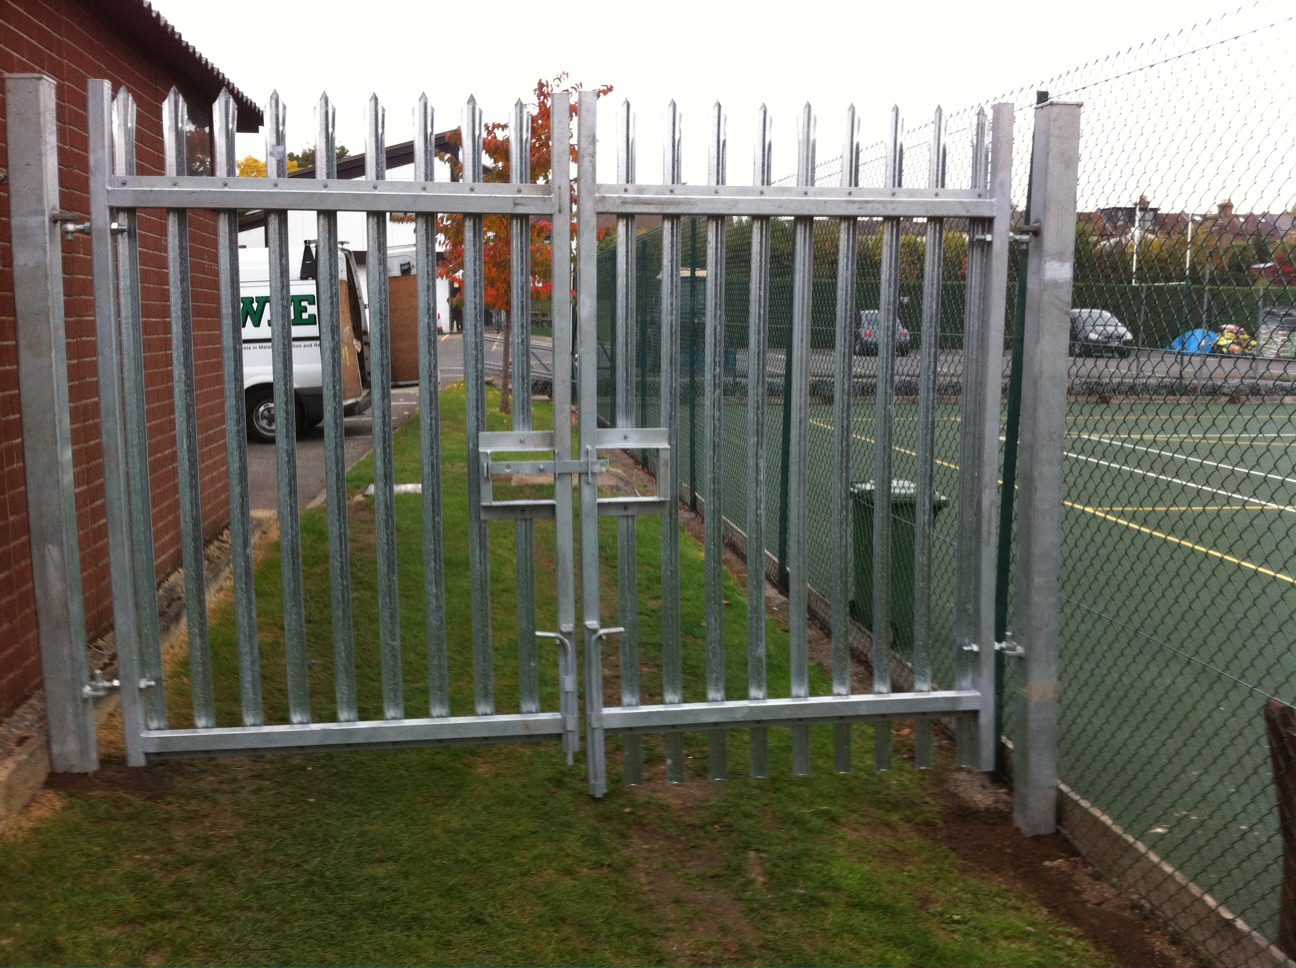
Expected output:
{"points": [[254, 310]]}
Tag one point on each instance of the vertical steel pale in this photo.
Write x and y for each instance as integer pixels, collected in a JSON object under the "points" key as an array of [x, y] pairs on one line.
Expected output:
{"points": [[225, 121], [434, 595], [883, 430], [329, 318], [672, 658], [380, 362], [924, 489], [112, 416], [175, 124], [520, 308], [627, 526], [990, 377], [843, 389], [798, 449], [757, 409], [474, 349], [285, 422], [713, 445], [564, 525], [969, 443], [135, 422]]}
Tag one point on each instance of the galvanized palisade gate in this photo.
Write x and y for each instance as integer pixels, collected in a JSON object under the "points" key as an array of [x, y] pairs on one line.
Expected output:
{"points": [[118, 193]]}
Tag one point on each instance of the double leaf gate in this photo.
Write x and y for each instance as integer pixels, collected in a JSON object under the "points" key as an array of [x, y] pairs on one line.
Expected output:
{"points": [[576, 454]]}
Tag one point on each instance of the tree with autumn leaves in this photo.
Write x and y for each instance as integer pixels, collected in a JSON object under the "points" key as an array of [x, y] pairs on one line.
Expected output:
{"points": [[497, 229]]}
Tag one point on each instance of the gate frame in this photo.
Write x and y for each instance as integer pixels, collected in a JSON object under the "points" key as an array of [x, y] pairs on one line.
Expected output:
{"points": [[115, 194], [988, 200]]}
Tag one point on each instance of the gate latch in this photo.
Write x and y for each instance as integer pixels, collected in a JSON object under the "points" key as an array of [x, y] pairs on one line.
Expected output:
{"points": [[567, 692]]}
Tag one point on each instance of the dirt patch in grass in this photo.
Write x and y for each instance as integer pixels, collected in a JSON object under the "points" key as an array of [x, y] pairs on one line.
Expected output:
{"points": [[680, 867], [976, 823], [115, 778]]}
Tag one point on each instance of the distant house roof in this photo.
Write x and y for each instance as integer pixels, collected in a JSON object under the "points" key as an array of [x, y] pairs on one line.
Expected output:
{"points": [[353, 166], [194, 73]]}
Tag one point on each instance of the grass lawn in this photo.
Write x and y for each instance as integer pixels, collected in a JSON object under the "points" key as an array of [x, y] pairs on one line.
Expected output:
{"points": [[494, 855]]}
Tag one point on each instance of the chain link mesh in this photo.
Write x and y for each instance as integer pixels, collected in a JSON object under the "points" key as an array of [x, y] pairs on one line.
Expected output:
{"points": [[1179, 565]]}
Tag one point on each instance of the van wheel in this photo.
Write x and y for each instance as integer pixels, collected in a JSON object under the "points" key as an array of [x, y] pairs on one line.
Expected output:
{"points": [[260, 414]]}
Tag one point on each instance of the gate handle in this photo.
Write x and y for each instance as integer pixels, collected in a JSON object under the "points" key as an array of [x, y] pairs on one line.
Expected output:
{"points": [[601, 633], [567, 693]]}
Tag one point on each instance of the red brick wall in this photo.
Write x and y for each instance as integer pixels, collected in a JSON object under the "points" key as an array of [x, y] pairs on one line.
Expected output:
{"points": [[68, 41]]}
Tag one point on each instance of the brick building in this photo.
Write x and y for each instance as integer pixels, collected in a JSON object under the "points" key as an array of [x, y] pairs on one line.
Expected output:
{"points": [[126, 42]]}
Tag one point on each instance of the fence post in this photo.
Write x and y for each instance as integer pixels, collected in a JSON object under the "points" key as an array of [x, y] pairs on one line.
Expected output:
{"points": [[1281, 722], [1055, 156], [37, 227]]}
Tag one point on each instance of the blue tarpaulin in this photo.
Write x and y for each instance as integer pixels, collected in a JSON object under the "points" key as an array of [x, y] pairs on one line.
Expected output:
{"points": [[1195, 341]]}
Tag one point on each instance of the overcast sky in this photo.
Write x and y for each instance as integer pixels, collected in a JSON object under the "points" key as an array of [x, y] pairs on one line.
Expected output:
{"points": [[918, 54]]}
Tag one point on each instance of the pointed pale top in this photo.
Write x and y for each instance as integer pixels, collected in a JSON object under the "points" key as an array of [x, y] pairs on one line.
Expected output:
{"points": [[472, 102], [124, 100]]}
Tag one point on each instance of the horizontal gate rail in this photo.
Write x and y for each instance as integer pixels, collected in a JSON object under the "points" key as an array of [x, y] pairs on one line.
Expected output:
{"points": [[808, 201], [446, 730], [736, 713], [285, 194]]}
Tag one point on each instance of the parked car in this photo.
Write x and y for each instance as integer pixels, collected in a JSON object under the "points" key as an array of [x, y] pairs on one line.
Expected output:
{"points": [[866, 334], [1096, 331], [1234, 339]]}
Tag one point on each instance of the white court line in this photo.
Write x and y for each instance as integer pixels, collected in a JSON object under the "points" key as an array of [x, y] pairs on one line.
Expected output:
{"points": [[1245, 498], [1133, 526], [1281, 478]]}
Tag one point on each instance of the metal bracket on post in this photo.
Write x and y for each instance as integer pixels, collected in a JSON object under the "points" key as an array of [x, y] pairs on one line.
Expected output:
{"points": [[1037, 601], [35, 220]]}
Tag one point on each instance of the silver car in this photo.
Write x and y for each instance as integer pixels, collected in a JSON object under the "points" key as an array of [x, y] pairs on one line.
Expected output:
{"points": [[866, 334]]}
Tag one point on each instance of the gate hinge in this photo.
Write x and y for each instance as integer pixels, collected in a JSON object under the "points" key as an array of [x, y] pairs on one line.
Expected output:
{"points": [[1010, 648], [99, 686], [68, 222], [1027, 232]]}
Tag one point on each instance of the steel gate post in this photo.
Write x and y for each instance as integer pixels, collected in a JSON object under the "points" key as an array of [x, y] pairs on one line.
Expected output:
{"points": [[1043, 428], [37, 227]]}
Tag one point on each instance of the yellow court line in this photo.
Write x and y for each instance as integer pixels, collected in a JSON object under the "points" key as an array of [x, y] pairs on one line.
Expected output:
{"points": [[1182, 542], [1229, 440]]}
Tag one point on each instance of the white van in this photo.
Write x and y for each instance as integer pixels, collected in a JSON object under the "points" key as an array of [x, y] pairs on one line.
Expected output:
{"points": [[258, 371]]}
